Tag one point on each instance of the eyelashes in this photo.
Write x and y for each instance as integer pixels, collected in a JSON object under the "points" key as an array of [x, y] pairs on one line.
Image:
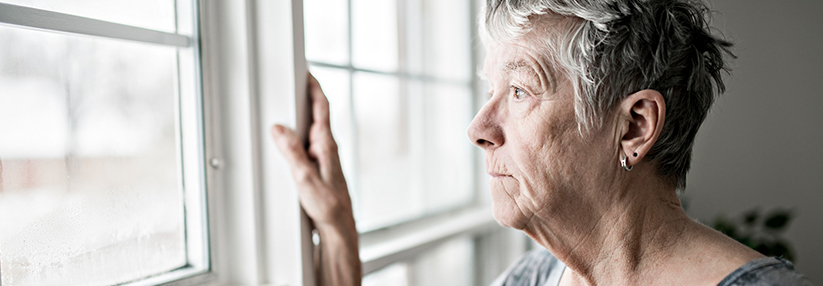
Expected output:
{"points": [[516, 92]]}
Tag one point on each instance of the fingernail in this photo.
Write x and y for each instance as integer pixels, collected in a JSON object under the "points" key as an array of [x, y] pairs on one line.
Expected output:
{"points": [[278, 129]]}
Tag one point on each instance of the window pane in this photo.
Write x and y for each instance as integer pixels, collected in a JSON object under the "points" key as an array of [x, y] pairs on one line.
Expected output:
{"points": [[327, 32], [451, 263], [446, 39], [447, 151], [437, 39], [395, 274], [383, 195], [413, 155], [90, 190], [374, 34], [150, 14]]}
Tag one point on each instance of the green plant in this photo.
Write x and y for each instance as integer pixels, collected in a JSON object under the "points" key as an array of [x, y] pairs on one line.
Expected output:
{"points": [[761, 233]]}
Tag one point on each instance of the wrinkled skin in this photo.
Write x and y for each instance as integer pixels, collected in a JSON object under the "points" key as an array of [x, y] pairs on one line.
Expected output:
{"points": [[534, 152], [566, 190]]}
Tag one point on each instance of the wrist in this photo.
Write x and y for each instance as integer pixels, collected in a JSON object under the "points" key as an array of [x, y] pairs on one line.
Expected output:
{"points": [[343, 227]]}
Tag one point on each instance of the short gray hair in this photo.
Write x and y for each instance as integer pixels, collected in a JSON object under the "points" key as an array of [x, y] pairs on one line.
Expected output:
{"points": [[614, 48]]}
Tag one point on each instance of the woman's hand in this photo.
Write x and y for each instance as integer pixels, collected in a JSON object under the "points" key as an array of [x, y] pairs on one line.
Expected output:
{"points": [[323, 193]]}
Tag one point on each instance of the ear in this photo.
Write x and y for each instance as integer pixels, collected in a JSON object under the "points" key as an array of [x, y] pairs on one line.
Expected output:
{"points": [[644, 112]]}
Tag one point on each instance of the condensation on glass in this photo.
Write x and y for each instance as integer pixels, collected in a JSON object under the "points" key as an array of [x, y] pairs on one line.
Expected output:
{"points": [[398, 77], [90, 166]]}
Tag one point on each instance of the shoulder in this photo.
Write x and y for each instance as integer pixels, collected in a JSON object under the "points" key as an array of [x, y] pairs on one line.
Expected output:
{"points": [[536, 268], [765, 271]]}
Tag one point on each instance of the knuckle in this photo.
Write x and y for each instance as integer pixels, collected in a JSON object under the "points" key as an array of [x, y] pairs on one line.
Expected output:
{"points": [[326, 150], [302, 175], [294, 144]]}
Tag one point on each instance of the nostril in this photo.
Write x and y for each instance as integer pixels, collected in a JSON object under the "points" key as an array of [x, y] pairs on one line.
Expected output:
{"points": [[483, 142]]}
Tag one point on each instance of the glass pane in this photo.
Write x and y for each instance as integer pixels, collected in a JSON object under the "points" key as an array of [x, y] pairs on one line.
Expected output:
{"points": [[384, 182], [374, 34], [335, 84], [327, 32], [396, 274], [446, 39], [90, 192], [150, 14], [413, 155], [446, 150], [451, 263]]}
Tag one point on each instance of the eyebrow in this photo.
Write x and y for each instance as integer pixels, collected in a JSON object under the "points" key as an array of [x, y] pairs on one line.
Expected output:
{"points": [[508, 68], [516, 66], [511, 67]]}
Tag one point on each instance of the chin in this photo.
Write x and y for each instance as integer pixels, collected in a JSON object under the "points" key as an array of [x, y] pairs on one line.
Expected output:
{"points": [[505, 210]]}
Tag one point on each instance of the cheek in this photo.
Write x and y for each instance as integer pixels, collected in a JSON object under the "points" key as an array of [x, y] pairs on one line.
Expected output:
{"points": [[506, 210], [546, 151]]}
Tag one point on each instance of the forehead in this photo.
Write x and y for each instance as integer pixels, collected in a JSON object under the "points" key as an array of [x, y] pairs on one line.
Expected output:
{"points": [[529, 51], [506, 58]]}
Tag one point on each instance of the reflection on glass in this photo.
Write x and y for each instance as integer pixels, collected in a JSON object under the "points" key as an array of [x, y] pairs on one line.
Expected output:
{"points": [[150, 14], [326, 25], [374, 34], [89, 185]]}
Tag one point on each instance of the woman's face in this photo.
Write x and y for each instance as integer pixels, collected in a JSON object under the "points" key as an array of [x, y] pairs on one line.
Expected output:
{"points": [[540, 164]]}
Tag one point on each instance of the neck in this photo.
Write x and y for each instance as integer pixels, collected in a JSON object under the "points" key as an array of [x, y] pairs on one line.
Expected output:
{"points": [[622, 236]]}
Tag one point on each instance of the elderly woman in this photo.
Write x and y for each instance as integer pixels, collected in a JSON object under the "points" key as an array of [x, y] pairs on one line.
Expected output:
{"points": [[588, 132]]}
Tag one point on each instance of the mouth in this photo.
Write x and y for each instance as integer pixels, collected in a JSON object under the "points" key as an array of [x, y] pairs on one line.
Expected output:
{"points": [[499, 175]]}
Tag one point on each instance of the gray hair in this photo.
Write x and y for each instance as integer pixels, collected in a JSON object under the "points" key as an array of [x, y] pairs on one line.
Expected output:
{"points": [[614, 48]]}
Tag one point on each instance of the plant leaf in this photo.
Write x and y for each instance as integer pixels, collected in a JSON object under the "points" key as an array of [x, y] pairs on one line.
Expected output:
{"points": [[778, 220], [751, 216]]}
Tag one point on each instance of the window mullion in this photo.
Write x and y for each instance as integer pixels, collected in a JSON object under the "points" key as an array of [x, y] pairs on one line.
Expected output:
{"points": [[43, 19], [281, 96]]}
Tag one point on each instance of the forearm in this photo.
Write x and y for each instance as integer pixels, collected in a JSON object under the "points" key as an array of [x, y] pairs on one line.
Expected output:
{"points": [[339, 259]]}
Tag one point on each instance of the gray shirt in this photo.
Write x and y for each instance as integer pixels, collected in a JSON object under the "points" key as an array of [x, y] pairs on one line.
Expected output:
{"points": [[540, 268]]}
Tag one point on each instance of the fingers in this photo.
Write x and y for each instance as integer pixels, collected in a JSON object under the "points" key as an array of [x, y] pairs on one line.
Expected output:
{"points": [[323, 147], [291, 147], [320, 104], [325, 152]]}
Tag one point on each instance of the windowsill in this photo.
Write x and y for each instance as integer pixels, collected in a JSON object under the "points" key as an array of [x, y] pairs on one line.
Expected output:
{"points": [[386, 246]]}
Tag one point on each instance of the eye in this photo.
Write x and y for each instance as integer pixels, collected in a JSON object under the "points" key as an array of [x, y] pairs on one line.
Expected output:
{"points": [[519, 93]]}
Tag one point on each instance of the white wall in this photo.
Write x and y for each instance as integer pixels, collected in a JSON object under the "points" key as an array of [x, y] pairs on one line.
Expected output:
{"points": [[762, 144]]}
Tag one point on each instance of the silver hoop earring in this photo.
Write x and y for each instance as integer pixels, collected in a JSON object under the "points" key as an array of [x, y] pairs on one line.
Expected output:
{"points": [[624, 165]]}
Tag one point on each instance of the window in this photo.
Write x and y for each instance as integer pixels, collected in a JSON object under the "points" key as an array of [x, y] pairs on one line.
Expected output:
{"points": [[101, 165], [114, 151]]}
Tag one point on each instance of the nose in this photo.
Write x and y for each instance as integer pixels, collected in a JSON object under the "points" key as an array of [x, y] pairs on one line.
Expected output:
{"points": [[485, 130]]}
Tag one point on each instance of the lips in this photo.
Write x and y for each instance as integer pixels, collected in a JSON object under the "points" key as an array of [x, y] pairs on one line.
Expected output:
{"points": [[499, 175]]}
